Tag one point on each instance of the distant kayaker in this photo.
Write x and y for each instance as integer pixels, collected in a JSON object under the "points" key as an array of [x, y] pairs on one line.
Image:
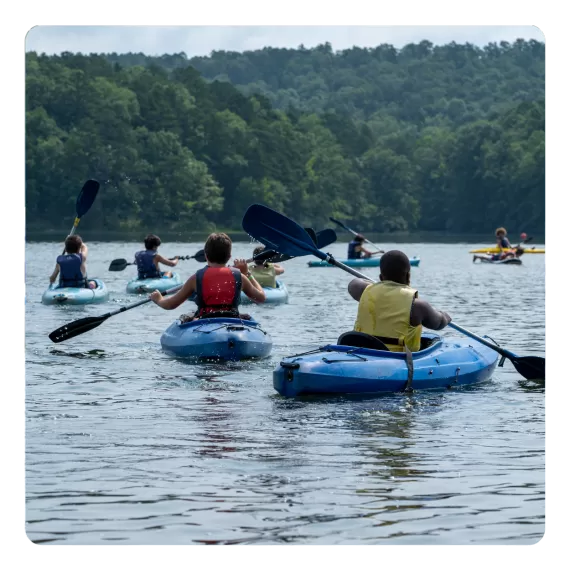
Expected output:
{"points": [[356, 250], [502, 240], [71, 266], [148, 260], [390, 310], [265, 272], [217, 286]]}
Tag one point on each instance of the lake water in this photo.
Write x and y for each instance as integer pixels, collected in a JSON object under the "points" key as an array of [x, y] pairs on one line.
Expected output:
{"points": [[125, 445]]}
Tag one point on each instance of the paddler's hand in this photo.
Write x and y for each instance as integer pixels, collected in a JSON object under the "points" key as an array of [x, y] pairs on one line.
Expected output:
{"points": [[241, 264], [445, 319], [156, 297]]}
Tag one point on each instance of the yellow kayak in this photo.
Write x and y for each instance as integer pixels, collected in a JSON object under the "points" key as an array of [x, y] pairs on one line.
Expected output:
{"points": [[495, 249]]}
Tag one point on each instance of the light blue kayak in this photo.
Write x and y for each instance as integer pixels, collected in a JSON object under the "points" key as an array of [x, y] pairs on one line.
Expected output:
{"points": [[55, 295], [139, 286], [336, 369], [273, 295], [364, 262], [221, 339]]}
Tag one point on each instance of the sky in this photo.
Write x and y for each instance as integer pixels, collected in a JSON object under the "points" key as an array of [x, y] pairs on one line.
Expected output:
{"points": [[201, 40]]}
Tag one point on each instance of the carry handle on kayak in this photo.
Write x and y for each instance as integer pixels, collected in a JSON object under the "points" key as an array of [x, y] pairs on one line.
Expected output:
{"points": [[280, 232]]}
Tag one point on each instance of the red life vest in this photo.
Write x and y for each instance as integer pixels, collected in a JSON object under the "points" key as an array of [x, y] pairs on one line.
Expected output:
{"points": [[218, 290]]}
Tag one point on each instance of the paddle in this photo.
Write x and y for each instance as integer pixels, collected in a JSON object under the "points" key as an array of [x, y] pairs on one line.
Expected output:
{"points": [[355, 233], [84, 202], [279, 232], [121, 264], [81, 326]]}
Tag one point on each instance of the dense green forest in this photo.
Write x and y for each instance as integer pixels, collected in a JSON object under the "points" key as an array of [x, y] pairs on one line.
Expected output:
{"points": [[442, 138]]}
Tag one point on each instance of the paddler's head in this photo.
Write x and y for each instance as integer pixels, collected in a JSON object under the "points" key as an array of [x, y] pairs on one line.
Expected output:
{"points": [[359, 238], [73, 244], [501, 232], [257, 250], [395, 266], [218, 249], [151, 242], [519, 251]]}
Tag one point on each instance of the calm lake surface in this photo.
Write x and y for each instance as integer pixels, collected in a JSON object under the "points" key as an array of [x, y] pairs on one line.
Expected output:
{"points": [[126, 445]]}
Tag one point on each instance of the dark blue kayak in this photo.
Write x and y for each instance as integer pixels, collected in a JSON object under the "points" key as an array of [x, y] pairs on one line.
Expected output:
{"points": [[335, 369], [222, 338]]}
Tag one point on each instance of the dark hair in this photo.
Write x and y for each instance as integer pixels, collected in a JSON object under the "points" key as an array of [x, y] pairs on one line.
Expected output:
{"points": [[73, 244], [218, 248], [258, 249], [395, 266], [359, 238], [151, 241]]}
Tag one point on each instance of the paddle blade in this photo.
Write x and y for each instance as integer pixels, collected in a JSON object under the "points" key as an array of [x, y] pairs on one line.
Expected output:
{"points": [[531, 367], [325, 237], [118, 265], [312, 233], [76, 328], [200, 256], [278, 232], [86, 197]]}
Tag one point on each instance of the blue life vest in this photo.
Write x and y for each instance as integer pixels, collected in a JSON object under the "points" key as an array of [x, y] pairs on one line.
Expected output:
{"points": [[352, 253], [505, 243], [70, 270], [145, 264]]}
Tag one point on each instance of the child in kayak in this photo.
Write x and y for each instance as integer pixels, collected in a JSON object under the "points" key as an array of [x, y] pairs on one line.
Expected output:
{"points": [[356, 250], [148, 260], [217, 286], [71, 266], [265, 272], [390, 310]]}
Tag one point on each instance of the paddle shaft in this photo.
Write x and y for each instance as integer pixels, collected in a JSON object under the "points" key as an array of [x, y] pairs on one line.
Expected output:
{"points": [[142, 302], [501, 351], [355, 233]]}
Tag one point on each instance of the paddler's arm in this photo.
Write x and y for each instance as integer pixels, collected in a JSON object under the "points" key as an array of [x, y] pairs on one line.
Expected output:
{"points": [[278, 269], [159, 259], [249, 285], [424, 314], [356, 287], [55, 273], [174, 301]]}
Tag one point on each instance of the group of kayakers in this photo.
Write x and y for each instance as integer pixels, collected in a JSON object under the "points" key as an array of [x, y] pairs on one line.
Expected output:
{"points": [[506, 250]]}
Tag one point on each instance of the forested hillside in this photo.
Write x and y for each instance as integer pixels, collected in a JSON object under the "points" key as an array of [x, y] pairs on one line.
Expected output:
{"points": [[447, 138]]}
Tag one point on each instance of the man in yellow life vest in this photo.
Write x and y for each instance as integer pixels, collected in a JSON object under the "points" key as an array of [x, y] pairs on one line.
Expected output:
{"points": [[390, 310], [265, 272]]}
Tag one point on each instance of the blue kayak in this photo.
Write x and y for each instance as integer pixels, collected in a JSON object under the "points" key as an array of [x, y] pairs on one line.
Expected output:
{"points": [[364, 262], [273, 295], [138, 286], [222, 338], [55, 295], [336, 369]]}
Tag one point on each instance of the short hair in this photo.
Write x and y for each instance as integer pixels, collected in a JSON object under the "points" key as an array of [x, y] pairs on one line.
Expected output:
{"points": [[258, 249], [395, 266], [151, 241], [359, 238], [499, 230], [73, 244], [218, 248]]}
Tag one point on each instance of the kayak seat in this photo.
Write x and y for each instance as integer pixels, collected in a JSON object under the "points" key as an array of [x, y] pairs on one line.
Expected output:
{"points": [[361, 340]]}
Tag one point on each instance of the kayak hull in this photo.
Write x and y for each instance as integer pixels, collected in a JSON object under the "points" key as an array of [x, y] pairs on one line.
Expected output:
{"points": [[162, 284], [497, 250], [508, 261], [273, 295], [220, 339], [335, 369], [370, 262], [76, 295]]}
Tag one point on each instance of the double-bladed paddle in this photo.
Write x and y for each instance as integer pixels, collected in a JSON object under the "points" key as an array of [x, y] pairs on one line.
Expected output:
{"points": [[121, 264], [283, 234], [345, 227], [84, 202]]}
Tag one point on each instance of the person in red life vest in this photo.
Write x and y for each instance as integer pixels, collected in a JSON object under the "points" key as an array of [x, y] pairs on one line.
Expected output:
{"points": [[217, 286], [71, 266], [148, 260]]}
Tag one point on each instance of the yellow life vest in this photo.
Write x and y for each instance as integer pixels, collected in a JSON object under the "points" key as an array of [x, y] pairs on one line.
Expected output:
{"points": [[384, 310], [265, 276]]}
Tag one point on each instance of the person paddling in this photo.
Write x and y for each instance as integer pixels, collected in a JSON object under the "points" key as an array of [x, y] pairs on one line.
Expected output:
{"points": [[217, 286], [391, 310], [502, 240], [265, 272], [71, 266], [148, 260], [356, 250]]}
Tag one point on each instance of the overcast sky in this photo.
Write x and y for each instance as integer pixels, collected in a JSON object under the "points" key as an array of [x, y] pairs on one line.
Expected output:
{"points": [[201, 40]]}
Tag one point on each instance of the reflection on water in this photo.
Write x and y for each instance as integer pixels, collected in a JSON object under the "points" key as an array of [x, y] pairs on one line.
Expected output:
{"points": [[126, 445]]}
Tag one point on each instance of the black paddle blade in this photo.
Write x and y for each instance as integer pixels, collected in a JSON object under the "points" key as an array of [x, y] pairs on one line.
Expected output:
{"points": [[200, 256], [118, 265], [86, 197], [312, 233], [76, 328], [325, 237], [340, 224], [531, 367]]}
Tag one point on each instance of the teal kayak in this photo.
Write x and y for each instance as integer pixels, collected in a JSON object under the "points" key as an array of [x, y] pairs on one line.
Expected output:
{"points": [[218, 338], [55, 295], [273, 295], [364, 262], [138, 286], [340, 369]]}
